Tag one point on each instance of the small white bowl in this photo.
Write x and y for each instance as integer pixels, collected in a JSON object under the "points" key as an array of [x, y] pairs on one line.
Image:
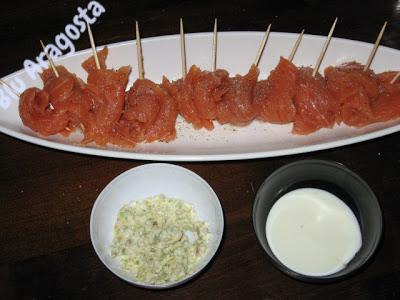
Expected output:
{"points": [[147, 181]]}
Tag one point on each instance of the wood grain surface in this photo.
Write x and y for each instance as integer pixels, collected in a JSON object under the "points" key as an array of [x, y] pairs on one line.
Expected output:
{"points": [[47, 195]]}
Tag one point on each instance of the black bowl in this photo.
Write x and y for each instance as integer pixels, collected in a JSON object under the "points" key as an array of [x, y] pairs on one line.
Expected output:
{"points": [[336, 179]]}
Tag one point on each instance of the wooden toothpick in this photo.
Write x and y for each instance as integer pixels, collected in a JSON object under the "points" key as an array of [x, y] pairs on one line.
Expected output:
{"points": [[395, 78], [10, 87], [296, 46], [183, 49], [139, 52], [92, 44], [52, 65], [214, 48], [262, 46], [375, 48], [321, 56]]}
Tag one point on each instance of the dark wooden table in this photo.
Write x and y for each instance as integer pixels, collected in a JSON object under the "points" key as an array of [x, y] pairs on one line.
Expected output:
{"points": [[47, 195]]}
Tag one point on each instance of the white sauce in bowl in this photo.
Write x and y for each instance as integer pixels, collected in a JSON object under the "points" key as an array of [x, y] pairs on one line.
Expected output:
{"points": [[313, 232]]}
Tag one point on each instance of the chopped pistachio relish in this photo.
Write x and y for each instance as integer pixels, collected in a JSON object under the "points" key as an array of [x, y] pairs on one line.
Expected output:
{"points": [[159, 240]]}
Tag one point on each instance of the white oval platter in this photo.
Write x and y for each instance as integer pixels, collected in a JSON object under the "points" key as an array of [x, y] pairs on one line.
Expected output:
{"points": [[236, 52]]}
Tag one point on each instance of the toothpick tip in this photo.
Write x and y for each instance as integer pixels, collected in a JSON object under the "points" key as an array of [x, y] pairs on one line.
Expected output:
{"points": [[139, 52], [327, 41], [183, 49], [93, 45], [52, 65], [262, 46], [214, 47], [296, 46], [375, 47]]}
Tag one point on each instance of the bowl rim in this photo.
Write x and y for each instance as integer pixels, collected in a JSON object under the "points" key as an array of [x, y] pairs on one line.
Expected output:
{"points": [[326, 278], [190, 276]]}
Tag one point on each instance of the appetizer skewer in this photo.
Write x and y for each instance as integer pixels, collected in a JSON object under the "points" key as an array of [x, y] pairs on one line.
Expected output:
{"points": [[198, 93], [313, 103], [57, 107], [355, 88], [273, 97], [105, 92], [237, 105], [150, 112]]}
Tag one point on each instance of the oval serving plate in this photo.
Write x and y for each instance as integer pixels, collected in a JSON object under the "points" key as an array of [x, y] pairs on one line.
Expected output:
{"points": [[236, 52]]}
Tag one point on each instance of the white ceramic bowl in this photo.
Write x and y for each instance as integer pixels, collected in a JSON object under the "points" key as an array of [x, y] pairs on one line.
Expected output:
{"points": [[147, 181]]}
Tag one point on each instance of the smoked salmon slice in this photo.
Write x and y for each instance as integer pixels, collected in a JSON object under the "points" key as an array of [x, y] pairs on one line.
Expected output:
{"points": [[386, 107], [197, 96], [37, 113], [56, 107], [315, 106], [236, 105], [152, 110], [105, 90], [90, 65], [354, 90], [273, 98]]}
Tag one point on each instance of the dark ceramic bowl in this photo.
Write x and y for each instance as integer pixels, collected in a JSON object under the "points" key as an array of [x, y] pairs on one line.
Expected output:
{"points": [[336, 179]]}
